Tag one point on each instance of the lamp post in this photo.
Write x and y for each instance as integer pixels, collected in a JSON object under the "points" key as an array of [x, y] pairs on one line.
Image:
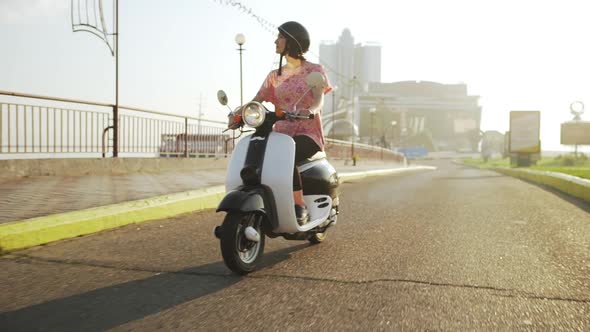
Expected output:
{"points": [[333, 109], [577, 109], [393, 123], [372, 113], [240, 40], [352, 156]]}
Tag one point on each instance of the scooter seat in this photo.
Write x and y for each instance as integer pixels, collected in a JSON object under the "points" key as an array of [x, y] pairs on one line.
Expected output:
{"points": [[319, 155]]}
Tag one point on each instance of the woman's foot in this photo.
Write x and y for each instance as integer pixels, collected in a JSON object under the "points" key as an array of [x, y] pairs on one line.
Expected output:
{"points": [[300, 210], [301, 214]]}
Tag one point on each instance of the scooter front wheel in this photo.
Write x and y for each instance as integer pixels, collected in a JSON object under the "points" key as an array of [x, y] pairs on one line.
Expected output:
{"points": [[241, 254]]}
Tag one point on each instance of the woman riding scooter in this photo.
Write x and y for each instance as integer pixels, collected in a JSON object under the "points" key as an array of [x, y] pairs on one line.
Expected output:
{"points": [[282, 87], [261, 186]]}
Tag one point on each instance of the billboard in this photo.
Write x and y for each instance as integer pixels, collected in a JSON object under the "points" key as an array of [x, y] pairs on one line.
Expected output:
{"points": [[525, 129], [575, 133]]}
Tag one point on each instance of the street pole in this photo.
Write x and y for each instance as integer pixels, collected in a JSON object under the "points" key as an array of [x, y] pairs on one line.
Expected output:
{"points": [[333, 110], [241, 79], [371, 128], [372, 113], [352, 126], [200, 113], [577, 109], [240, 40], [116, 108], [393, 123], [392, 136]]}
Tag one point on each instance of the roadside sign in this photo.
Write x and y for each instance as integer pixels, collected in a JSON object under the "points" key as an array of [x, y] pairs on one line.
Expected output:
{"points": [[575, 133], [525, 129]]}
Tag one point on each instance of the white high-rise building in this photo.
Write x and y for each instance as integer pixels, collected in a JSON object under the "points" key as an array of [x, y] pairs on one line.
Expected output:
{"points": [[368, 63], [350, 67]]}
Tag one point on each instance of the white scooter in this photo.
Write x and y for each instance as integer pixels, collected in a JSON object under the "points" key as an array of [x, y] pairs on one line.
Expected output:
{"points": [[259, 186]]}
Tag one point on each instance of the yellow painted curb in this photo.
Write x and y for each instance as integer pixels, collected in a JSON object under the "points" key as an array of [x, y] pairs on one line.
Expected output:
{"points": [[571, 185], [31, 232]]}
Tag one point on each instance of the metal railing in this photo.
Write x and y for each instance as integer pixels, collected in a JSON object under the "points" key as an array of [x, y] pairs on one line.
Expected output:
{"points": [[49, 129], [339, 149], [45, 129], [143, 131]]}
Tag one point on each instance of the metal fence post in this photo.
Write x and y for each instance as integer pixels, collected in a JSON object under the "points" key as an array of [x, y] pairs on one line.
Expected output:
{"points": [[186, 137], [115, 131]]}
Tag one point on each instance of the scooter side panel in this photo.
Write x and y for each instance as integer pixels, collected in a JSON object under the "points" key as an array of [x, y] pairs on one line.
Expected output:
{"points": [[236, 163], [319, 207], [319, 178], [277, 173]]}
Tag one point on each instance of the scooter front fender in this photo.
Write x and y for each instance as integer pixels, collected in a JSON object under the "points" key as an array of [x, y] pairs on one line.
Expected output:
{"points": [[248, 199], [237, 200]]}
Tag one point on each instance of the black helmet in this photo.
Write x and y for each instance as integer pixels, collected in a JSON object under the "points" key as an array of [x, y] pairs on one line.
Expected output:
{"points": [[297, 38], [297, 41]]}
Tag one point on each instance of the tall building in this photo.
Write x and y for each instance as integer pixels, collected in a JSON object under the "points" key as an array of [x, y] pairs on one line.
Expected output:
{"points": [[350, 68], [368, 63]]}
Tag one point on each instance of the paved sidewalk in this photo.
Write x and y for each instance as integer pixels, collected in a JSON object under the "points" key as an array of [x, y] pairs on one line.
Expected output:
{"points": [[47, 195], [44, 195], [40, 210]]}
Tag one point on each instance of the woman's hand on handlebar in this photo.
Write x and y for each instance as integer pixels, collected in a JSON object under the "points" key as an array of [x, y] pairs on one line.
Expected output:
{"points": [[234, 120], [293, 115], [300, 115]]}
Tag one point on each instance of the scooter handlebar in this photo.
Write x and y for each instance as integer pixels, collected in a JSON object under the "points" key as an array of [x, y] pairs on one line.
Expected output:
{"points": [[300, 116]]}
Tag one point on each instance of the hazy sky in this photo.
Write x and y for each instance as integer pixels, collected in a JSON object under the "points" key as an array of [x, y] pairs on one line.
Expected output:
{"points": [[515, 54]]}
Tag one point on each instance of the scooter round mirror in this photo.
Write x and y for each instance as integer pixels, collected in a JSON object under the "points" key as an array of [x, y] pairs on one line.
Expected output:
{"points": [[314, 79], [222, 97]]}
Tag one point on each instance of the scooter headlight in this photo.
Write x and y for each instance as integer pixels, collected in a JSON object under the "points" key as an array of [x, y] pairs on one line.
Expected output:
{"points": [[253, 114]]}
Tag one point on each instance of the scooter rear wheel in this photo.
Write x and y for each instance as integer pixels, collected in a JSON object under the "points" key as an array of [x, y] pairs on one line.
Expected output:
{"points": [[317, 238], [239, 253]]}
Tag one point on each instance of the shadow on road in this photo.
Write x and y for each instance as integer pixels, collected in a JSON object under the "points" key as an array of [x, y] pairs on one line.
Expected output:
{"points": [[112, 306]]}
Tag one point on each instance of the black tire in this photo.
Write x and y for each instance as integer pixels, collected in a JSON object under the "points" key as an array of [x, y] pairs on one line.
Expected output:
{"points": [[240, 254], [317, 238]]}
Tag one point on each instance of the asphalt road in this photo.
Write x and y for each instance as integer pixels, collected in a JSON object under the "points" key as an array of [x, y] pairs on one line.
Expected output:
{"points": [[452, 249]]}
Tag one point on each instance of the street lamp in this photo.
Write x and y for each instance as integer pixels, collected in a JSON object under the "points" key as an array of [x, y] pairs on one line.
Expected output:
{"points": [[240, 40], [372, 111], [577, 109], [393, 123], [333, 109], [352, 156]]}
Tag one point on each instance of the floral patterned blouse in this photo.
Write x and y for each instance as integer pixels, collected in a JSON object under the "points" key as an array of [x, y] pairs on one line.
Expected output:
{"points": [[284, 91]]}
